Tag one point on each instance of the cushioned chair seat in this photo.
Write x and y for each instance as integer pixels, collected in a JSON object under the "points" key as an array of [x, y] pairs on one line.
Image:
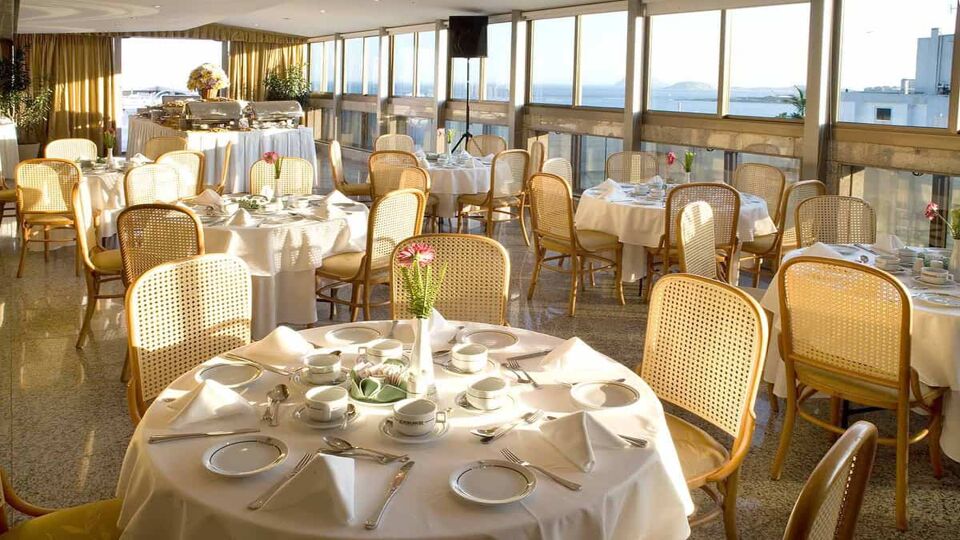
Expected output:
{"points": [[342, 266], [54, 220], [862, 392], [592, 241], [355, 190], [480, 199], [699, 453], [8, 195], [760, 244], [108, 260], [94, 521]]}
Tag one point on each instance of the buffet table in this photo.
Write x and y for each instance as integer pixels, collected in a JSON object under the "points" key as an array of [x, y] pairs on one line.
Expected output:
{"points": [[248, 147], [9, 152]]}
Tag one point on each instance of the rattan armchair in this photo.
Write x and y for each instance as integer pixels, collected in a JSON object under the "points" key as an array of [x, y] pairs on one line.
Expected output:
{"points": [[158, 146], [703, 353], [44, 202], [189, 165], [476, 285], [418, 178], [296, 177], [764, 181], [394, 141], [559, 167], [339, 180], [846, 333], [71, 149], [776, 244], [537, 154], [153, 234], [181, 314], [830, 501], [396, 216], [508, 180], [221, 184], [485, 145], [632, 167], [385, 168], [834, 219], [551, 206], [150, 183]]}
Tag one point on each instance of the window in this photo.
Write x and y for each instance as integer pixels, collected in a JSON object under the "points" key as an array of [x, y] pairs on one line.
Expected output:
{"points": [[422, 130], [322, 59], [707, 163], [371, 62], [603, 59], [497, 64], [148, 77], [330, 65], [403, 59], [790, 166], [426, 56], [551, 65], [459, 79], [896, 55], [475, 129], [768, 60], [351, 129], [594, 152], [353, 66], [684, 62]]}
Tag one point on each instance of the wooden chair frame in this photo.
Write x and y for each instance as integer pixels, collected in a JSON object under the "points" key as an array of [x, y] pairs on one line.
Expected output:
{"points": [[497, 205], [26, 227]]}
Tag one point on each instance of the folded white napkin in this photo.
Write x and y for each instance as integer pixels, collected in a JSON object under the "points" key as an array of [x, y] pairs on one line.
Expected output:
{"points": [[210, 400], [888, 243], [328, 482], [578, 436], [610, 190], [282, 346], [336, 197], [209, 197], [241, 218], [140, 159], [487, 158], [574, 361], [422, 161], [267, 191], [820, 249]]}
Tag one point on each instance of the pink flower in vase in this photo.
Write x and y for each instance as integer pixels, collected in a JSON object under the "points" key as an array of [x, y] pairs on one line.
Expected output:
{"points": [[271, 157], [931, 212], [417, 252], [671, 158]]}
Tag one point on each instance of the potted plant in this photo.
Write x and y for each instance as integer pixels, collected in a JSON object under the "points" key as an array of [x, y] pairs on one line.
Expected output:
{"points": [[288, 84], [207, 80], [28, 106]]}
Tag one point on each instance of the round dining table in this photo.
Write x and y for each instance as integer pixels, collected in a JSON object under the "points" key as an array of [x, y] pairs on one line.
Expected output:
{"points": [[448, 182], [631, 493]]}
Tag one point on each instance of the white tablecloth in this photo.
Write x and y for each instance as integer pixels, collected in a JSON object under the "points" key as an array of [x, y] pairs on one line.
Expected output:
{"points": [[639, 226], [9, 152], [447, 183], [248, 148], [934, 352], [631, 493]]}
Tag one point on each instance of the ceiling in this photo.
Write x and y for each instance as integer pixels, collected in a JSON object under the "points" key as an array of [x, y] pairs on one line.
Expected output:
{"points": [[302, 17]]}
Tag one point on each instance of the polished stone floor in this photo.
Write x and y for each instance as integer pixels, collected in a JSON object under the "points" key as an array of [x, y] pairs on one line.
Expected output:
{"points": [[65, 426]]}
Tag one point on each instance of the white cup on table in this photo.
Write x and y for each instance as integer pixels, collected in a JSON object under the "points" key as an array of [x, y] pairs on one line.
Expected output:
{"points": [[326, 404], [417, 417], [888, 262], [322, 368], [935, 276], [469, 357]]}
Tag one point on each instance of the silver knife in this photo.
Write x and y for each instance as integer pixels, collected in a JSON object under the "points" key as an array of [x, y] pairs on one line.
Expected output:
{"points": [[374, 522], [268, 367], [178, 436], [530, 355]]}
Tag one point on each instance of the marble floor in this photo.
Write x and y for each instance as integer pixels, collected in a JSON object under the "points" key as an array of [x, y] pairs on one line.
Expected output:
{"points": [[65, 427]]}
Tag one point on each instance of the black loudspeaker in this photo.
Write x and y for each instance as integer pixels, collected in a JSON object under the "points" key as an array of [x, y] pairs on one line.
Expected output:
{"points": [[467, 37]]}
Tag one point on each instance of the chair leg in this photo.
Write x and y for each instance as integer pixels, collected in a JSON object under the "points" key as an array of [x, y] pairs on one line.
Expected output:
{"points": [[786, 432], [367, 293], [593, 277], [772, 398], [618, 277], [93, 291], [836, 415], [574, 284], [125, 372], [46, 244], [757, 266], [730, 505], [523, 222], [903, 454], [25, 233], [354, 302], [933, 437], [536, 273]]}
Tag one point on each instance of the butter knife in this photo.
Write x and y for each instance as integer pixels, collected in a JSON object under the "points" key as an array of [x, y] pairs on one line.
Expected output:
{"points": [[178, 436], [268, 367], [530, 355], [374, 522]]}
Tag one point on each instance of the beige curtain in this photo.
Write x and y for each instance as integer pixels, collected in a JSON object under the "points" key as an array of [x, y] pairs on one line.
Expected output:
{"points": [[221, 32], [250, 63], [80, 69]]}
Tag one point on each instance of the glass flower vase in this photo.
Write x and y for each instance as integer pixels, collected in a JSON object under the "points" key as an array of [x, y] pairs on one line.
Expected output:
{"points": [[420, 380]]}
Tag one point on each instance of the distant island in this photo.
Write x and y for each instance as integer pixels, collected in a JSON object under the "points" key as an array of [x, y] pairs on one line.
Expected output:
{"points": [[687, 86]]}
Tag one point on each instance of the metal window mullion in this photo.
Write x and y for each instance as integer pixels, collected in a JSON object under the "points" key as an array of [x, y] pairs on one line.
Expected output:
{"points": [[941, 196], [723, 81], [415, 91], [953, 122], [577, 34]]}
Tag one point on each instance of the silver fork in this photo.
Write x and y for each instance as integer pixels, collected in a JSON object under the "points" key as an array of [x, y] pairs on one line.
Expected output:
{"points": [[264, 498], [516, 367], [560, 480]]}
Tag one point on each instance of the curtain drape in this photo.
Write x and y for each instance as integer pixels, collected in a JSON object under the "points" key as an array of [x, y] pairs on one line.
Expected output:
{"points": [[221, 32], [81, 71], [250, 63]]}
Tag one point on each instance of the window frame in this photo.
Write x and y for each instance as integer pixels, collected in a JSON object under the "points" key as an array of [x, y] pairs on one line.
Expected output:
{"points": [[482, 81], [324, 72]]}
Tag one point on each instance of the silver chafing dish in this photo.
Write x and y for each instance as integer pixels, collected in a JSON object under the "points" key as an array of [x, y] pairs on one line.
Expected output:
{"points": [[212, 114], [267, 114]]}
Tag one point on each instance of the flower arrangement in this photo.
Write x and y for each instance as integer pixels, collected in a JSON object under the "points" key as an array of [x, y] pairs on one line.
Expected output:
{"points": [[110, 138], [275, 159], [419, 279], [932, 212], [207, 78], [688, 157]]}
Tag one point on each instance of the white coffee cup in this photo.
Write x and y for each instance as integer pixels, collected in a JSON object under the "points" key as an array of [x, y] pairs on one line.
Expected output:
{"points": [[888, 262], [937, 276], [322, 368], [469, 357], [417, 417], [487, 394], [326, 404]]}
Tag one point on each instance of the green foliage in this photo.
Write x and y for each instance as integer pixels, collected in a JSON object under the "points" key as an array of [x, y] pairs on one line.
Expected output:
{"points": [[423, 287], [288, 83], [688, 158], [955, 223], [27, 106], [799, 102]]}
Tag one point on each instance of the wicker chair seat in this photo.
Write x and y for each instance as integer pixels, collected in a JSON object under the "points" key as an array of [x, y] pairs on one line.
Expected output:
{"points": [[480, 199], [699, 453], [760, 245], [355, 190], [93, 520], [53, 220], [8, 195], [859, 390], [107, 261], [592, 241], [346, 266]]}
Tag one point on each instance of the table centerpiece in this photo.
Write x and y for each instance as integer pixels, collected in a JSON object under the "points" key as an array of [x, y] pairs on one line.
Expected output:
{"points": [[423, 285], [207, 80]]}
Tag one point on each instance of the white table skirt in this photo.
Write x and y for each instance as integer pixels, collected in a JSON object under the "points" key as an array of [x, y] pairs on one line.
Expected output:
{"points": [[449, 183], [639, 226], [9, 152], [248, 148], [631, 494], [934, 353]]}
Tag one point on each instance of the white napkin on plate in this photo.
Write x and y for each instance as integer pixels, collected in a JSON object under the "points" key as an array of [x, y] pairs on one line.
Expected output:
{"points": [[210, 400], [610, 190], [140, 159], [888, 243], [328, 482], [267, 191], [336, 197], [574, 361], [209, 197], [578, 436], [282, 346], [241, 218], [820, 249]]}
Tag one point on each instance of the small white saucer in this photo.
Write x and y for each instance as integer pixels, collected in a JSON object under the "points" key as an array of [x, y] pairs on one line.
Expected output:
{"points": [[299, 378], [493, 482], [491, 339], [604, 394], [922, 283], [387, 428], [353, 414], [229, 374], [352, 335], [491, 366], [508, 402], [244, 456]]}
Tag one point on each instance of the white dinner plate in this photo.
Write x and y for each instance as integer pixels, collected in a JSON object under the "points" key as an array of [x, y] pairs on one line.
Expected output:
{"points": [[938, 299], [352, 335], [493, 482], [439, 431], [843, 250], [230, 374], [244, 456], [506, 403], [604, 394], [353, 414], [491, 339], [920, 283]]}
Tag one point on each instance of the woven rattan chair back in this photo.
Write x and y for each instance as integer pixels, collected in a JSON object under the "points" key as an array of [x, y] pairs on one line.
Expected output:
{"points": [[830, 501], [189, 165], [764, 181], [508, 172], [724, 201], [396, 216], [150, 183], [835, 219], [296, 177], [153, 234], [704, 350], [485, 145], [71, 149], [182, 313], [795, 194], [83, 223], [560, 167], [336, 165], [385, 169], [632, 167], [159, 146], [416, 178], [394, 141], [551, 207], [698, 253], [45, 186], [537, 153], [845, 318], [477, 281]]}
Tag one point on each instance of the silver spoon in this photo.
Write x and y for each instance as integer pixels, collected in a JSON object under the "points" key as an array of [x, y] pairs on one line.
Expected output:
{"points": [[340, 444], [275, 397]]}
